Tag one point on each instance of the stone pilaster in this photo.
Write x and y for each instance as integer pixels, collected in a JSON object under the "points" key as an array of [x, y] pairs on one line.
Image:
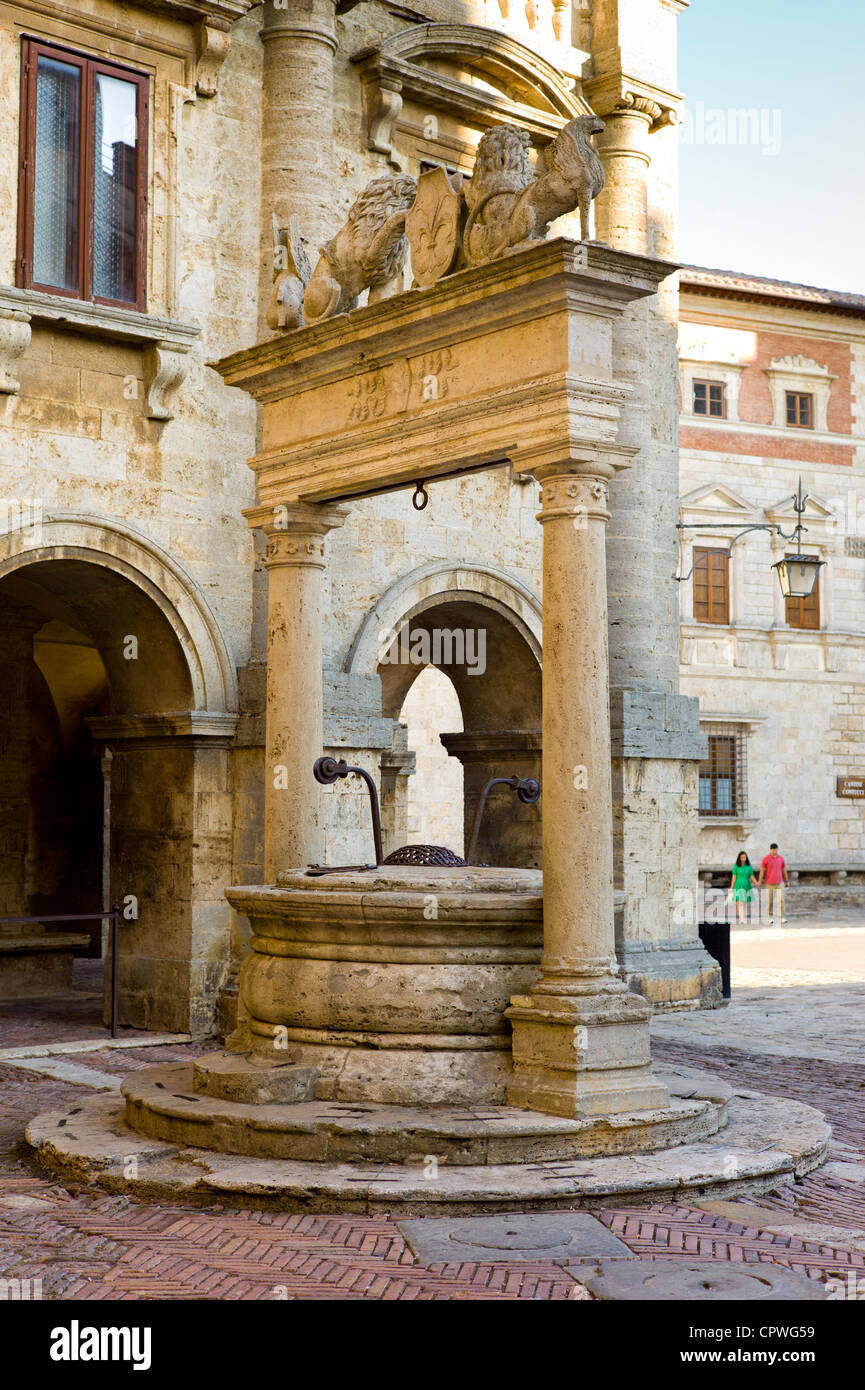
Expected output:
{"points": [[510, 834], [580, 1038], [18, 626], [170, 857], [655, 729], [294, 731]]}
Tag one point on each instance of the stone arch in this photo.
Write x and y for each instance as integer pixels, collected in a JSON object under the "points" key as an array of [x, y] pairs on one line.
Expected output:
{"points": [[136, 557], [487, 51], [155, 720], [425, 67], [499, 696], [436, 583]]}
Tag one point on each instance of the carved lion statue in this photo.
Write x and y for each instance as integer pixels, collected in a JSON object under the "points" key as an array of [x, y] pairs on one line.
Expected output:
{"points": [[572, 175], [368, 252], [502, 170], [511, 205]]}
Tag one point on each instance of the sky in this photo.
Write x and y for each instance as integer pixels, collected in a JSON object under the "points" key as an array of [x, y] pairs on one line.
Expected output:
{"points": [[779, 191]]}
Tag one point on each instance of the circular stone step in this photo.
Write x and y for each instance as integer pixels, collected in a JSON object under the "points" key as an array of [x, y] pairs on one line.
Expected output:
{"points": [[768, 1140], [161, 1103]]}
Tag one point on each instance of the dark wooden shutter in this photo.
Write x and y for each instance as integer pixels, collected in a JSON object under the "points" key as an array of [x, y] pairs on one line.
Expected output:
{"points": [[805, 612], [711, 586]]}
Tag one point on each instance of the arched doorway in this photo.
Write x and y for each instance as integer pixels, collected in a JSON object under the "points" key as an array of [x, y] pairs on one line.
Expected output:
{"points": [[118, 783], [434, 790], [481, 631]]}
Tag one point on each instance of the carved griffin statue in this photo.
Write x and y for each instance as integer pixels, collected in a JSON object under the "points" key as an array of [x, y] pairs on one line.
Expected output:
{"points": [[510, 205], [291, 272], [368, 252]]}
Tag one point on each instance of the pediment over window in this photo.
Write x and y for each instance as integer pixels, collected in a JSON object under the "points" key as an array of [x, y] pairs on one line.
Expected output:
{"points": [[816, 511], [799, 374], [436, 85], [716, 501]]}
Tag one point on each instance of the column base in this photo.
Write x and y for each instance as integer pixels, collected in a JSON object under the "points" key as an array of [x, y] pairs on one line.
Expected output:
{"points": [[582, 1053], [677, 974]]}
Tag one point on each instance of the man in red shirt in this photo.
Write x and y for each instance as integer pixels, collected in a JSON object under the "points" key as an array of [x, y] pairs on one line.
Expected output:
{"points": [[773, 872]]}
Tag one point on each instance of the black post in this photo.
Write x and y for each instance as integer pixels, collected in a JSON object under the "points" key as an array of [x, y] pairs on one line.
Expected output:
{"points": [[715, 936]]}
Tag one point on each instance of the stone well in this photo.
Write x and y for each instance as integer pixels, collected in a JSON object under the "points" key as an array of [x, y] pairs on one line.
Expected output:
{"points": [[375, 1028], [392, 984]]}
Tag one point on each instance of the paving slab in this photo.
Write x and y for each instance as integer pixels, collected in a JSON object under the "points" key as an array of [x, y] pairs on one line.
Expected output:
{"points": [[62, 1049], [697, 1281], [822, 1021], [67, 1071], [509, 1239]]}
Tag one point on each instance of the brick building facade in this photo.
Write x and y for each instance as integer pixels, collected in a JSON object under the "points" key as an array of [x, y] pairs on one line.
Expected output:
{"points": [[773, 388]]}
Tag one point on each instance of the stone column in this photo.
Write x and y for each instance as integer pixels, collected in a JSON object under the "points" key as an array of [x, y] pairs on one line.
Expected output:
{"points": [[656, 735], [621, 208], [170, 855], [299, 39], [580, 1039], [294, 732]]}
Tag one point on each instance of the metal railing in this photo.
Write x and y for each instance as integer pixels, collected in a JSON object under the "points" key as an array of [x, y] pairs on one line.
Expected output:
{"points": [[112, 916]]}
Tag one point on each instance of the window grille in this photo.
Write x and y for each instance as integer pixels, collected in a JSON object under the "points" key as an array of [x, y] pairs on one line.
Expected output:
{"points": [[724, 773]]}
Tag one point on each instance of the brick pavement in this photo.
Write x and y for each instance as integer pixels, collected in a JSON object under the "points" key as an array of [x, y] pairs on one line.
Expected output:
{"points": [[96, 1247]]}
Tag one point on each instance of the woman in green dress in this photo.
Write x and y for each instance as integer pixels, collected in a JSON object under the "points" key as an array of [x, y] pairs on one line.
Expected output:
{"points": [[740, 883]]}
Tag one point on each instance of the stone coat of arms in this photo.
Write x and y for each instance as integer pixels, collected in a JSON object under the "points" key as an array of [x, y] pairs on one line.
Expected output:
{"points": [[433, 226]]}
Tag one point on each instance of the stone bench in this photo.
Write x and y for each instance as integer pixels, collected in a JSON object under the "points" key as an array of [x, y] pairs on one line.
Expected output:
{"points": [[34, 963]]}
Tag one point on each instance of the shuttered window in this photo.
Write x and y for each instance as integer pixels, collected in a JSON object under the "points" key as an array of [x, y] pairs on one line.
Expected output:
{"points": [[805, 612], [711, 586]]}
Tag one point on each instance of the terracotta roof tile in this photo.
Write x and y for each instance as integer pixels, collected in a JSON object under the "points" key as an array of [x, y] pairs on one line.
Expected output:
{"points": [[740, 285]]}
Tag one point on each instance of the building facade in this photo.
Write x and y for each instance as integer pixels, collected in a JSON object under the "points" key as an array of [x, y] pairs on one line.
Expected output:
{"points": [[773, 389], [151, 157]]}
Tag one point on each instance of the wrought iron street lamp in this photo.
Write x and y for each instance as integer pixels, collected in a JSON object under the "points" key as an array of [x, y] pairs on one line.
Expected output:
{"points": [[797, 574]]}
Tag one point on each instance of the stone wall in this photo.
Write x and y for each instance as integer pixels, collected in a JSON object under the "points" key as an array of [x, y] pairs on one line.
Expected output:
{"points": [[128, 426]]}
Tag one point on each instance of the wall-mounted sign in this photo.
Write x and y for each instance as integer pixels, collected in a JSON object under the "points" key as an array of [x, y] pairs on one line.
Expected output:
{"points": [[852, 788]]}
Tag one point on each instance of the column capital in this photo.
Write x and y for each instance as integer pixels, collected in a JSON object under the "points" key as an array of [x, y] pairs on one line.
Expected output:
{"points": [[295, 531], [571, 495], [23, 619], [618, 93], [209, 727], [576, 485]]}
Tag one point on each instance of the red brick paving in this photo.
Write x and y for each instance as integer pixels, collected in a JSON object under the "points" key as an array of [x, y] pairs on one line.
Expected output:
{"points": [[97, 1247]]}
